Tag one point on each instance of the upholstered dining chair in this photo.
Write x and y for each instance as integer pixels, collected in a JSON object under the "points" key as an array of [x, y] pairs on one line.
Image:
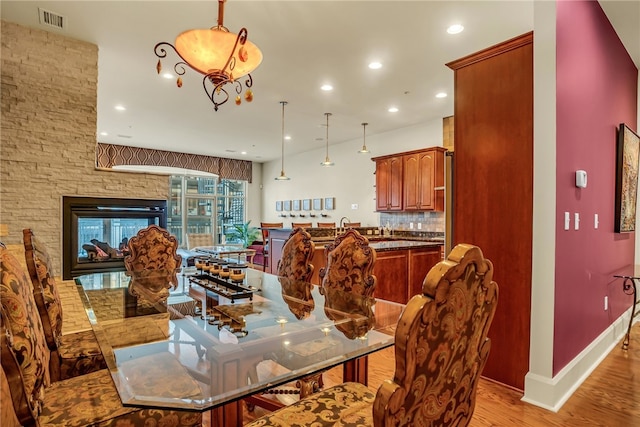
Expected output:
{"points": [[326, 225], [297, 252], [448, 323], [153, 248], [265, 226], [301, 224], [195, 240], [89, 399], [350, 262], [71, 354]]}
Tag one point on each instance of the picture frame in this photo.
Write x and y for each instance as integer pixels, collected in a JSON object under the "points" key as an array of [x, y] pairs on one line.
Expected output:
{"points": [[306, 204], [286, 205], [627, 166], [279, 206], [296, 205], [317, 204], [329, 203]]}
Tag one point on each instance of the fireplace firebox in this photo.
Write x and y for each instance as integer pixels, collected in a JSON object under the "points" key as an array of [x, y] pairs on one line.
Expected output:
{"points": [[95, 231]]}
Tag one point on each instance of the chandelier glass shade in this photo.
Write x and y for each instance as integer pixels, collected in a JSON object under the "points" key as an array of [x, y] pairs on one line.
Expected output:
{"points": [[364, 148], [222, 57], [282, 176], [327, 162]]}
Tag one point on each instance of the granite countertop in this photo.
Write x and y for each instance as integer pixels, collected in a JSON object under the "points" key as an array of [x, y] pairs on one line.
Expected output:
{"points": [[391, 245]]}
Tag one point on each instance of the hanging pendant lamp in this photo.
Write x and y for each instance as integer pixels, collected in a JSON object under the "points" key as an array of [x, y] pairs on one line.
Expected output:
{"points": [[364, 148], [282, 176], [327, 162]]}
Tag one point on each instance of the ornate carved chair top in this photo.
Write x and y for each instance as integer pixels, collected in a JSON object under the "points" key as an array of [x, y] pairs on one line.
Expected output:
{"points": [[350, 262], [198, 240], [301, 225], [297, 252], [441, 349], [71, 354], [25, 361], [153, 248]]}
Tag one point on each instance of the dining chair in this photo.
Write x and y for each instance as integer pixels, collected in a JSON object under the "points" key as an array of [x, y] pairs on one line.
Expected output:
{"points": [[71, 354], [153, 248], [326, 225], [90, 399], [448, 323], [349, 264], [301, 225], [195, 240], [297, 253], [265, 226]]}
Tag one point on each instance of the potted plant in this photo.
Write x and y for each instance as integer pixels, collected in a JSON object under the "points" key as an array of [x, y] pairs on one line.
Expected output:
{"points": [[242, 233]]}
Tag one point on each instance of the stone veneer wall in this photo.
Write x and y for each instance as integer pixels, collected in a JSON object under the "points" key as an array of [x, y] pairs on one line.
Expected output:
{"points": [[48, 139]]}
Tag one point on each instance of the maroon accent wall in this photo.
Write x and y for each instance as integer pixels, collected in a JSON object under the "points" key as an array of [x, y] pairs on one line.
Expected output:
{"points": [[596, 91]]}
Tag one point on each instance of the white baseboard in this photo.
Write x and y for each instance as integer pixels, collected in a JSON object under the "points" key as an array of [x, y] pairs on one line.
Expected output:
{"points": [[552, 393]]}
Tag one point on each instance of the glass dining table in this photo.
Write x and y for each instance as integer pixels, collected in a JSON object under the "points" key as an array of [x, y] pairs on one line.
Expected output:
{"points": [[195, 347]]}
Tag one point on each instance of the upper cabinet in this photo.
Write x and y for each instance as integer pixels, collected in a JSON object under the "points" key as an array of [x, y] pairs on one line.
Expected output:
{"points": [[411, 181], [389, 183]]}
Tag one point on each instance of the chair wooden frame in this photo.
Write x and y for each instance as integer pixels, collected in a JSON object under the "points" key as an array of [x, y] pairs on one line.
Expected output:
{"points": [[326, 225], [301, 224]]}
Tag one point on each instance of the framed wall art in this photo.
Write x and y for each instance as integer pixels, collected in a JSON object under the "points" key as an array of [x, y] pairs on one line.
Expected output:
{"points": [[286, 205], [317, 204], [279, 206], [329, 203], [296, 205], [306, 204], [627, 165]]}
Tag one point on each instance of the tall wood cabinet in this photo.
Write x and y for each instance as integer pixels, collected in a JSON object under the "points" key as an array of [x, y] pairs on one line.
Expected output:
{"points": [[493, 188], [410, 181]]}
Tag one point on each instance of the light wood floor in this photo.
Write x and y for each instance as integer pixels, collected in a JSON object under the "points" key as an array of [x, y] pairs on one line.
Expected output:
{"points": [[610, 397]]}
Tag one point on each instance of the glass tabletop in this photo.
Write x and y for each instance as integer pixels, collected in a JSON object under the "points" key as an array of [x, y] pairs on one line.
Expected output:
{"points": [[164, 352]]}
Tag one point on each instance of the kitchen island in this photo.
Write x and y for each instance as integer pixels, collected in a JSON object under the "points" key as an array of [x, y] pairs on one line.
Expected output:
{"points": [[401, 265]]}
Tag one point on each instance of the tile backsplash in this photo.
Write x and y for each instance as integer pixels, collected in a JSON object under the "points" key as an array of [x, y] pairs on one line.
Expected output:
{"points": [[430, 221]]}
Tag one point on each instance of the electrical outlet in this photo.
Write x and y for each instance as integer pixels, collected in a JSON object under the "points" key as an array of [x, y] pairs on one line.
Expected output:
{"points": [[354, 206]]}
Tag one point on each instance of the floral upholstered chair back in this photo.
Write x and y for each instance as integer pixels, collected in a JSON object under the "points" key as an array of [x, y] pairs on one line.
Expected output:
{"points": [[153, 248], [297, 252], [45, 288], [350, 263], [441, 345], [25, 355]]}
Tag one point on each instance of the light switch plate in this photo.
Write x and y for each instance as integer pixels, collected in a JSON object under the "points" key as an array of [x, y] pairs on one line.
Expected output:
{"points": [[576, 221], [567, 220], [354, 206]]}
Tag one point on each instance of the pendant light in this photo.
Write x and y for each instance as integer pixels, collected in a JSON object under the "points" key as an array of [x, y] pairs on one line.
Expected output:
{"points": [[282, 176], [327, 162], [364, 149]]}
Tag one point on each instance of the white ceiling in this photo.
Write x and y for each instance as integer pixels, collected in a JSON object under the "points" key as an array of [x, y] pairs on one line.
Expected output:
{"points": [[305, 44]]}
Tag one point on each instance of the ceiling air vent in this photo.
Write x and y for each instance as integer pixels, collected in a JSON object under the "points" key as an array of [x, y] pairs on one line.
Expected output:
{"points": [[52, 19]]}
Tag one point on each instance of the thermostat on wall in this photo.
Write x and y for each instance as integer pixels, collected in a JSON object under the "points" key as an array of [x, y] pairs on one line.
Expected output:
{"points": [[581, 179]]}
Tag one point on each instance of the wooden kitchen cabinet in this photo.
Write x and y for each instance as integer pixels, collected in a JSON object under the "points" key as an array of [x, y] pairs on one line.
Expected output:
{"points": [[389, 183], [411, 181], [423, 180]]}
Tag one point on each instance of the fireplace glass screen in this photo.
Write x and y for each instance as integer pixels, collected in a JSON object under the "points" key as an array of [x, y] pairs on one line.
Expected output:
{"points": [[96, 231]]}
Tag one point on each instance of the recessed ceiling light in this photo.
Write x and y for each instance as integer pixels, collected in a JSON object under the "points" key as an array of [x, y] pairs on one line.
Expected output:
{"points": [[243, 152], [167, 75], [441, 95], [455, 29], [287, 137], [120, 108], [393, 109], [326, 87], [104, 133], [375, 65]]}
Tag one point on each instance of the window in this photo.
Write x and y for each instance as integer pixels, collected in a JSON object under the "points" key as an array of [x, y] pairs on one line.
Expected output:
{"points": [[205, 205]]}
